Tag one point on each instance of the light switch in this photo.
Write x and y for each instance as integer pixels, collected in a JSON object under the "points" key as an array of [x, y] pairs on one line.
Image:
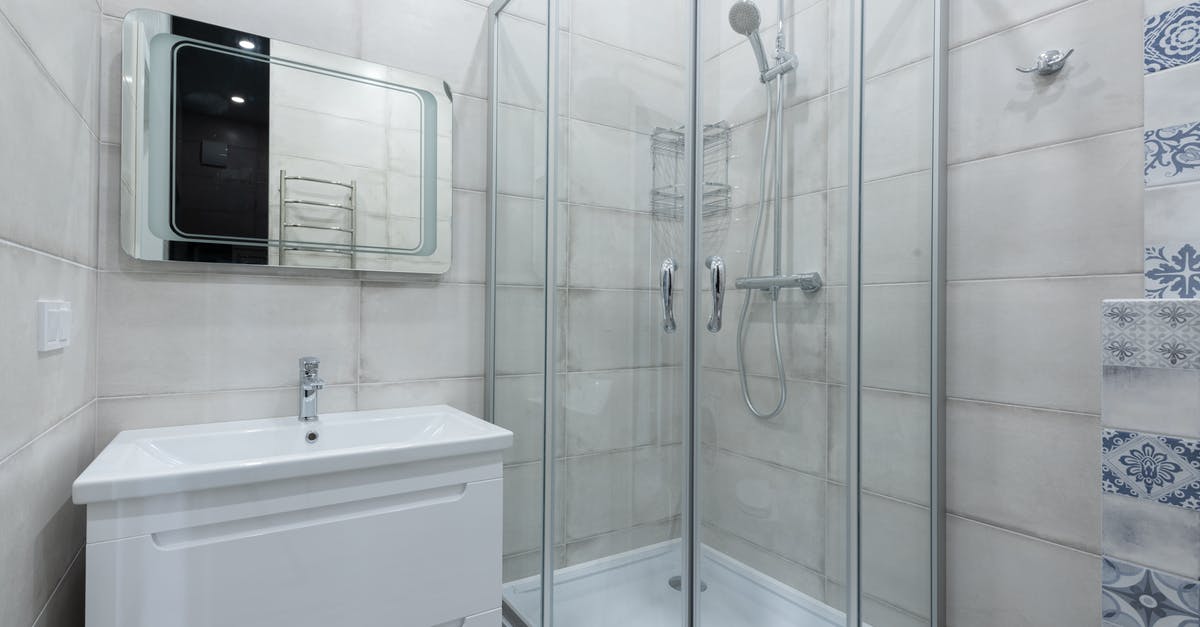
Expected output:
{"points": [[54, 325]]}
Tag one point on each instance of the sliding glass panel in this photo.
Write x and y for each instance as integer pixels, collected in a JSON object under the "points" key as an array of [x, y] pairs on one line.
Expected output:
{"points": [[772, 408], [896, 269], [622, 170], [518, 283]]}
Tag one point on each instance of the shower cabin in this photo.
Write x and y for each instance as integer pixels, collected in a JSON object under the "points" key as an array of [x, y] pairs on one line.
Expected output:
{"points": [[715, 308]]}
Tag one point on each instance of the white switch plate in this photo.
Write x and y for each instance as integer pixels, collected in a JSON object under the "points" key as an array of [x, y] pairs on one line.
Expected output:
{"points": [[54, 325]]}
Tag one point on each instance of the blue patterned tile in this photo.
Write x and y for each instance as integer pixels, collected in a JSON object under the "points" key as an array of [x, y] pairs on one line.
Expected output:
{"points": [[1152, 467], [1172, 38], [1151, 333], [1172, 154], [1172, 271], [1134, 596]]}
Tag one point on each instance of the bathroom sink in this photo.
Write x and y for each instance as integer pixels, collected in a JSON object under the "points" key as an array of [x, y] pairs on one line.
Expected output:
{"points": [[148, 462]]}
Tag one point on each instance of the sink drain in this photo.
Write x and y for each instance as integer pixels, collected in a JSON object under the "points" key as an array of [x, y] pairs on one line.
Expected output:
{"points": [[311, 437], [676, 583]]}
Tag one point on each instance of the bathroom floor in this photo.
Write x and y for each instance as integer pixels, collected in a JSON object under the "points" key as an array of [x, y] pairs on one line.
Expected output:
{"points": [[632, 589]]}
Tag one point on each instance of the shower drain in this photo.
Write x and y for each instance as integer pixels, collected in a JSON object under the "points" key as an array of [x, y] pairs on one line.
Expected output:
{"points": [[676, 582]]}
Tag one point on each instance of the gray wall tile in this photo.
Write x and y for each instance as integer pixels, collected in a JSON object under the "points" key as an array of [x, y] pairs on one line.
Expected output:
{"points": [[996, 578], [1031, 342], [1028, 470]]}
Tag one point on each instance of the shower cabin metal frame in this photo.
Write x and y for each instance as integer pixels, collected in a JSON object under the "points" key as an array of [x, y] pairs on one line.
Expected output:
{"points": [[695, 190]]}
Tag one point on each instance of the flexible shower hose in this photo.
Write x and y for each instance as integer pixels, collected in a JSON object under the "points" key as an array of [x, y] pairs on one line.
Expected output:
{"points": [[772, 122]]}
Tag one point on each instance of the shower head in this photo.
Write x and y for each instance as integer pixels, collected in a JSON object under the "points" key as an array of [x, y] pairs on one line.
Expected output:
{"points": [[745, 19]]}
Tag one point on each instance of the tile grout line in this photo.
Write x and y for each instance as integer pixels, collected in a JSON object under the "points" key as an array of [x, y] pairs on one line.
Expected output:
{"points": [[58, 586], [991, 34], [29, 249], [37, 61], [1037, 147], [1020, 534], [47, 431]]}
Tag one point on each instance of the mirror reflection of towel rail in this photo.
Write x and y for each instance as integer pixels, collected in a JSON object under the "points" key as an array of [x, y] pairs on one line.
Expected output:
{"points": [[331, 205], [314, 249], [285, 201], [310, 179]]}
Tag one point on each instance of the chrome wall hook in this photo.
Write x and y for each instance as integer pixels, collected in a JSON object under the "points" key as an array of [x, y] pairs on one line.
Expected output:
{"points": [[1049, 62]]}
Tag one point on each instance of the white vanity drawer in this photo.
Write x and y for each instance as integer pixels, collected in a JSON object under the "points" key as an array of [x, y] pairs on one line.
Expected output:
{"points": [[416, 559]]}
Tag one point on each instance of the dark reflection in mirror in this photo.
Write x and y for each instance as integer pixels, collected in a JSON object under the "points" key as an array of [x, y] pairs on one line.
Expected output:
{"points": [[221, 178]]}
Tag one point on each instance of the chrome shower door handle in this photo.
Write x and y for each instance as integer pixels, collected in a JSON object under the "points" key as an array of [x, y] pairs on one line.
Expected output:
{"points": [[667, 284], [716, 267]]}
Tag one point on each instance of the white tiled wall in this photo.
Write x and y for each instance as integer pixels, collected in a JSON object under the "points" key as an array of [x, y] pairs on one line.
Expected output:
{"points": [[49, 119], [1044, 223]]}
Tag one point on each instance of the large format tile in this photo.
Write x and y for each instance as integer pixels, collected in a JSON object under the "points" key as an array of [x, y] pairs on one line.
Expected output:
{"points": [[39, 389], [650, 28], [50, 157], [122, 413], [895, 565], [1029, 342], [612, 329], [522, 508], [995, 578], [109, 81], [616, 490], [778, 509], [973, 19], [611, 249], [620, 409], [65, 36], [896, 225], [43, 530], [995, 110], [894, 442], [447, 39], [795, 438], [189, 333], [470, 139], [804, 138], [616, 87], [468, 263], [609, 167], [462, 394], [66, 606], [519, 407], [897, 134], [1047, 211], [322, 24], [421, 331], [1027, 470]]}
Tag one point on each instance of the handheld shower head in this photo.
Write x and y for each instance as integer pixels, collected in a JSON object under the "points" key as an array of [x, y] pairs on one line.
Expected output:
{"points": [[745, 19]]}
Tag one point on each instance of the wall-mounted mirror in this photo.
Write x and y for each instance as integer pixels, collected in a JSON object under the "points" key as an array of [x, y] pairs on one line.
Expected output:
{"points": [[241, 149]]}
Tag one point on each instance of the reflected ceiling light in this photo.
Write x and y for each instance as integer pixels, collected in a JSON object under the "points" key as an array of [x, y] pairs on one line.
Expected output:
{"points": [[247, 44], [238, 99]]}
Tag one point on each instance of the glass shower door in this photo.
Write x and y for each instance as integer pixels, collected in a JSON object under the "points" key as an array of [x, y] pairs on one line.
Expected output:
{"points": [[712, 311], [813, 397]]}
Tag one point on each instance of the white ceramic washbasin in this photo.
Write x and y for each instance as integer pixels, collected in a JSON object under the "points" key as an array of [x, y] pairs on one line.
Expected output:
{"points": [[148, 462]]}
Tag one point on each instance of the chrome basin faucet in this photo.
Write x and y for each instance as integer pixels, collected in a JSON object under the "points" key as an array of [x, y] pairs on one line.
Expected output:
{"points": [[310, 384]]}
